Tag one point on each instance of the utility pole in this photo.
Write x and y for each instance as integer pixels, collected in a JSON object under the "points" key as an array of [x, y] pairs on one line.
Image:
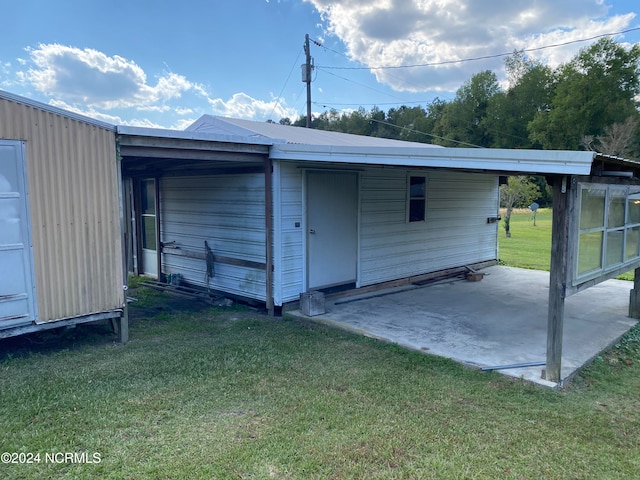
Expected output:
{"points": [[306, 77]]}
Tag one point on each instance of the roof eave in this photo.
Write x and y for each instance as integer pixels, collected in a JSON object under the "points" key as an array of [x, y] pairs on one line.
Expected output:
{"points": [[542, 162]]}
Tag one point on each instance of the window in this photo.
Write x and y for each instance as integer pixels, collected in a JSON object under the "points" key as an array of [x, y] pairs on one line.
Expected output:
{"points": [[417, 204], [609, 229]]}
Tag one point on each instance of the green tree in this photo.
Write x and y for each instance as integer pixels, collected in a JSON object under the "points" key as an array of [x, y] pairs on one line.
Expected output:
{"points": [[461, 120], [518, 191], [509, 113], [598, 88]]}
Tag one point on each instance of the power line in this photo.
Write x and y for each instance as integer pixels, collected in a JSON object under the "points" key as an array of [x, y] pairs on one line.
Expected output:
{"points": [[325, 104], [275, 105], [365, 86], [425, 133], [484, 57]]}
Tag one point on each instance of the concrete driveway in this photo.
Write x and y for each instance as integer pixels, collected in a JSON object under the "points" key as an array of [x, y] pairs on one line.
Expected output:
{"points": [[501, 320]]}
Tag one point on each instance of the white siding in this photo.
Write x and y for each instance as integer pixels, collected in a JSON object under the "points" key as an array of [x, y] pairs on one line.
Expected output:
{"points": [[292, 270], [228, 212], [455, 233]]}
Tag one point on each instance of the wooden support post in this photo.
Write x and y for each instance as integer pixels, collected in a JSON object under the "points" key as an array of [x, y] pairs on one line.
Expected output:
{"points": [[268, 224], [123, 325], [634, 295], [156, 182], [558, 277]]}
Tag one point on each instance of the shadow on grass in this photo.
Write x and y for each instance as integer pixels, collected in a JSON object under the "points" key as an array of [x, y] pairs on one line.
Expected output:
{"points": [[149, 307]]}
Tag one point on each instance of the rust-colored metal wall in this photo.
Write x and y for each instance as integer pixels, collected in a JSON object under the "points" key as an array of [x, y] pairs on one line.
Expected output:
{"points": [[73, 193]]}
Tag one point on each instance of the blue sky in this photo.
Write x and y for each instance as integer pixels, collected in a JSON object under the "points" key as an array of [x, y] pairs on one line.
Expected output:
{"points": [[164, 63]]}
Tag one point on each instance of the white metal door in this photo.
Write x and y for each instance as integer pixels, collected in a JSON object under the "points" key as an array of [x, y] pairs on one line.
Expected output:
{"points": [[148, 234], [17, 302], [332, 228]]}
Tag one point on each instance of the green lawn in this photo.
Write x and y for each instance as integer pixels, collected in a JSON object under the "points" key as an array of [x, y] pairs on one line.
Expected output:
{"points": [[530, 245], [233, 394]]}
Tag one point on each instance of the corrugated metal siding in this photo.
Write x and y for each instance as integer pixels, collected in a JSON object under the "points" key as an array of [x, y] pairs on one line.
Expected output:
{"points": [[456, 231], [73, 197], [228, 212]]}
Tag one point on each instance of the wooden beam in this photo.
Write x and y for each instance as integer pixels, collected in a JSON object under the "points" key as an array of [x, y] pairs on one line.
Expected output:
{"points": [[634, 295], [558, 276], [156, 181], [123, 324], [238, 262], [268, 225]]}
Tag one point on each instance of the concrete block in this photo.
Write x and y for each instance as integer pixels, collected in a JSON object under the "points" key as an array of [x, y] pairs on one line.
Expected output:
{"points": [[312, 303], [475, 276]]}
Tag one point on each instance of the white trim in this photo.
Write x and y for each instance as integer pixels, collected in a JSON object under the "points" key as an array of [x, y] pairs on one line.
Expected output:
{"points": [[191, 135], [407, 206], [358, 229], [305, 227], [276, 246], [475, 159]]}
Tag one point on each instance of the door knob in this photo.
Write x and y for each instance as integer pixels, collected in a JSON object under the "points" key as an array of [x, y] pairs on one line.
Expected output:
{"points": [[311, 230]]}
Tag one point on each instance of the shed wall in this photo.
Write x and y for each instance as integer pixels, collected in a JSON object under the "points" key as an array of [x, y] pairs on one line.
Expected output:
{"points": [[455, 233], [227, 211], [75, 215]]}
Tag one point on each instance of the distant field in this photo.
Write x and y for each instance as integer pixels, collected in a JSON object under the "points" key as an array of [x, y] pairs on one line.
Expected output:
{"points": [[529, 245]]}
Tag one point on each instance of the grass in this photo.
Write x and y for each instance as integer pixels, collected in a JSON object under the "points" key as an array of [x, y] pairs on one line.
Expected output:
{"points": [[210, 393], [530, 245]]}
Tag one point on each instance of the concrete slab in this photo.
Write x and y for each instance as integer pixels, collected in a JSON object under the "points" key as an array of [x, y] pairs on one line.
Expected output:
{"points": [[501, 320]]}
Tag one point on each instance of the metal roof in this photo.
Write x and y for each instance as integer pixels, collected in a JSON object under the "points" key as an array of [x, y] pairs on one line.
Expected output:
{"points": [[225, 137], [55, 110], [280, 134], [304, 144]]}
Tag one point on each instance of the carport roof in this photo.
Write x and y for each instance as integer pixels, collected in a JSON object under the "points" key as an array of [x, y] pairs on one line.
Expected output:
{"points": [[284, 142], [303, 144]]}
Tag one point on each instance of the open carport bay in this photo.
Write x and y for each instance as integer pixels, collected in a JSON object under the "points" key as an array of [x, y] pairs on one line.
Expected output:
{"points": [[501, 320]]}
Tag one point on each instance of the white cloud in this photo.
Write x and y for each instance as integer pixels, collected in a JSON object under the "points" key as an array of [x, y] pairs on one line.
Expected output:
{"points": [[183, 123], [241, 105], [401, 32], [183, 111], [92, 78], [109, 88]]}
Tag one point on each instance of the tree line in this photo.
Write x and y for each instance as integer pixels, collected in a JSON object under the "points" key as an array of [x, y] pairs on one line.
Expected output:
{"points": [[589, 103]]}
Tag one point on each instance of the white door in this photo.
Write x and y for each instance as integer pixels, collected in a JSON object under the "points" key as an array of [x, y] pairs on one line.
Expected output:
{"points": [[332, 228], [17, 302], [148, 237]]}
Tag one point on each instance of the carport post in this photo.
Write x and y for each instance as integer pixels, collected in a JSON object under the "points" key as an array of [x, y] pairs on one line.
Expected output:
{"points": [[268, 226], [558, 276], [634, 296]]}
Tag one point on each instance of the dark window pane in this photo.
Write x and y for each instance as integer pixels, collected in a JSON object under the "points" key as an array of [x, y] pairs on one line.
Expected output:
{"points": [[149, 232], [148, 197], [416, 210], [417, 187]]}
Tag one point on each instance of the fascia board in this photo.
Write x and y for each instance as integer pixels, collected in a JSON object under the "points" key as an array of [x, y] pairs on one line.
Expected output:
{"points": [[498, 160]]}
